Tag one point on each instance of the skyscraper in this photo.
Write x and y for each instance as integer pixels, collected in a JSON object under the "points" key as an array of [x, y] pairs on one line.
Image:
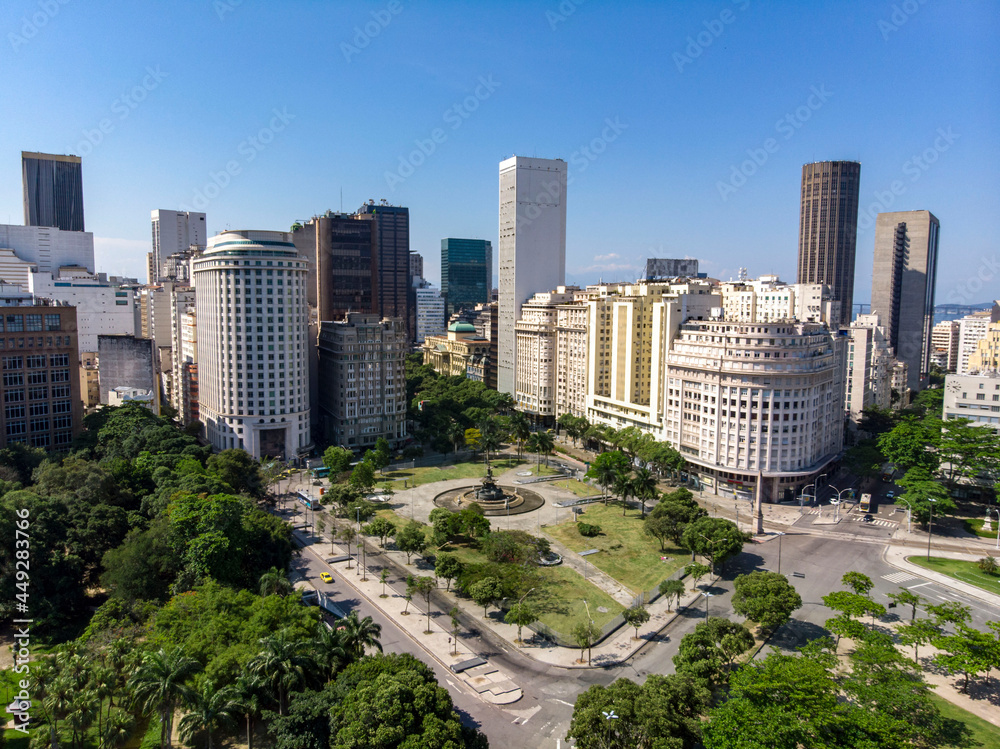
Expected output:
{"points": [[532, 245], [174, 231], [252, 328], [394, 295], [53, 190], [342, 252], [466, 272], [906, 247], [828, 228]]}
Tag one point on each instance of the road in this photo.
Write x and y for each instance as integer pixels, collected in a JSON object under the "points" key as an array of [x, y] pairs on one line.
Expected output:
{"points": [[543, 715]]}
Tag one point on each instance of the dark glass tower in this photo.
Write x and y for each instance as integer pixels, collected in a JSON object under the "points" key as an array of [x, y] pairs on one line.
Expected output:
{"points": [[53, 190], [466, 273], [395, 294], [828, 228]]}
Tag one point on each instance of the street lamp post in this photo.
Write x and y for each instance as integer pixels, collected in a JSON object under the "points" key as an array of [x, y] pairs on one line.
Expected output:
{"points": [[840, 500], [780, 536], [930, 528], [909, 513], [707, 596], [736, 505], [988, 510], [803, 495]]}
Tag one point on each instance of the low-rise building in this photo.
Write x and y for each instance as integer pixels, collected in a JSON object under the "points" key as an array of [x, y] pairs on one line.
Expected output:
{"points": [[362, 383], [452, 354], [121, 396], [975, 397]]}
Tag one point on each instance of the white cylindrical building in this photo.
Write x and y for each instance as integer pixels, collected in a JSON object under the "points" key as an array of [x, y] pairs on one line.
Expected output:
{"points": [[252, 327]]}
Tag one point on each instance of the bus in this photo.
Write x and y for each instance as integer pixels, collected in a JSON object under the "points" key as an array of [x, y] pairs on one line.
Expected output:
{"points": [[866, 503], [889, 472], [310, 502], [321, 473]]}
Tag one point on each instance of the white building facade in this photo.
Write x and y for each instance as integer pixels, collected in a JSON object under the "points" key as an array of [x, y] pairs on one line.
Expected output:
{"points": [[430, 310], [535, 376], [869, 368], [973, 396], [532, 246], [102, 308], [48, 248], [174, 232], [571, 358], [971, 330], [252, 331]]}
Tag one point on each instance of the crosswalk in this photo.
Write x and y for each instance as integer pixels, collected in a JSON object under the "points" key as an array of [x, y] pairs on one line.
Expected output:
{"points": [[876, 521], [899, 577]]}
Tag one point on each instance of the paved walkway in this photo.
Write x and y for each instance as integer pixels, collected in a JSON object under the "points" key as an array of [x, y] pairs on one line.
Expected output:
{"points": [[897, 557]]}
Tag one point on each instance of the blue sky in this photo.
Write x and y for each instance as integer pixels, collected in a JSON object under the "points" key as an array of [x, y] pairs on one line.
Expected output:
{"points": [[266, 112]]}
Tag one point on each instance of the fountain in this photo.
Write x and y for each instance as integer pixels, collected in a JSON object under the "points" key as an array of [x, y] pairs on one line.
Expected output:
{"points": [[492, 498]]}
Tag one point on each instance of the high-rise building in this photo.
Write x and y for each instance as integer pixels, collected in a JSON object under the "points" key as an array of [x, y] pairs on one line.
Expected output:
{"points": [[767, 299], [341, 251], [535, 379], [173, 232], [532, 245], [394, 293], [43, 406], [125, 361], [944, 345], [869, 368], [416, 265], [430, 310], [905, 268], [48, 248], [571, 358], [252, 329], [971, 330], [53, 190], [362, 380], [828, 229], [466, 272]]}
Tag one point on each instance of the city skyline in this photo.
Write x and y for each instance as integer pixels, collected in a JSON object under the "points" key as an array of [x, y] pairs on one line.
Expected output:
{"points": [[705, 155]]}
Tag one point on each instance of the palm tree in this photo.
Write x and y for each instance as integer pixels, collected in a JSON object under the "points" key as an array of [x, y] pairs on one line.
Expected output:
{"points": [[544, 443], [282, 663], [250, 701], [605, 477], [118, 729], [330, 653], [56, 694], [520, 429], [644, 486], [159, 684], [209, 710], [359, 634], [489, 437], [275, 582], [624, 487], [102, 681], [84, 707], [456, 434]]}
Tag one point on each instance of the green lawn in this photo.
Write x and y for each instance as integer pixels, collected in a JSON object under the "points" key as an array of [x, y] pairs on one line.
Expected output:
{"points": [[579, 488], [430, 474], [975, 525], [966, 572], [985, 735], [9, 688], [626, 553]]}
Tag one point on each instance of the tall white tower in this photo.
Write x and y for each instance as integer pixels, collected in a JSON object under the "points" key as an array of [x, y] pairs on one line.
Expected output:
{"points": [[252, 328], [532, 245], [174, 231]]}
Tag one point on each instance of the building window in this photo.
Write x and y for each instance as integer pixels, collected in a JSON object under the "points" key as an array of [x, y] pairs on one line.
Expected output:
{"points": [[15, 323], [34, 323], [13, 362], [14, 412], [36, 361], [16, 427], [52, 322], [39, 393]]}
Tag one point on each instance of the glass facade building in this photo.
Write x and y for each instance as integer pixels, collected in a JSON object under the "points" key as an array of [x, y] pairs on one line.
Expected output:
{"points": [[466, 272], [53, 190]]}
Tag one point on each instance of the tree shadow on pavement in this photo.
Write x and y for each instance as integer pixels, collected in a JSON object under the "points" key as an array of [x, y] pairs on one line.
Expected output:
{"points": [[796, 633]]}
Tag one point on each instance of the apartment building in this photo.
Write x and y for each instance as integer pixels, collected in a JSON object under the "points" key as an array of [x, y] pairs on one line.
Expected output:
{"points": [[362, 380], [944, 345], [869, 368], [571, 357], [975, 397], [535, 372]]}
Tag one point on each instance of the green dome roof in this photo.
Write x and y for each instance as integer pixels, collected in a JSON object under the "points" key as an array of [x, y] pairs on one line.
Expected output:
{"points": [[462, 327]]}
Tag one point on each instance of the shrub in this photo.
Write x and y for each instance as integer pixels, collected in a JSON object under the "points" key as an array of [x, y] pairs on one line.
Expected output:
{"points": [[588, 530]]}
